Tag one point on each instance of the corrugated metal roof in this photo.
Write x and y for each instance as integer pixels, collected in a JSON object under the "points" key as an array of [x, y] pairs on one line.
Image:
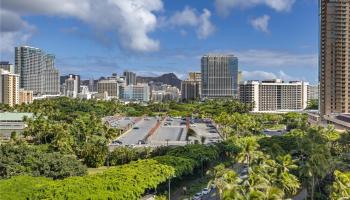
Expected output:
{"points": [[7, 116]]}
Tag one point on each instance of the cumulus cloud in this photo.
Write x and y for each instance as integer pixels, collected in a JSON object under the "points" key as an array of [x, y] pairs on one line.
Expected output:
{"points": [[132, 20], [261, 23], [191, 18], [13, 31], [223, 7], [263, 75]]}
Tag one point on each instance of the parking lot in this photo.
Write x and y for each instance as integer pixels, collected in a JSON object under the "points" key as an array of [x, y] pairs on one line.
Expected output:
{"points": [[205, 129], [172, 131], [146, 131], [138, 132]]}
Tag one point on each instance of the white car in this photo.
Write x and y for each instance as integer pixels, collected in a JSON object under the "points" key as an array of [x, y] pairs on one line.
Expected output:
{"points": [[205, 191], [197, 196]]}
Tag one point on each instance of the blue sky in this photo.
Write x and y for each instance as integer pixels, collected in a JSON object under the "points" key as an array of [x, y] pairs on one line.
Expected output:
{"points": [[271, 38]]}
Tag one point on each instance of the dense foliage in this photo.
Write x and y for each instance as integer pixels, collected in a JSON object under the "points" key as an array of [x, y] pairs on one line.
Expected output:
{"points": [[123, 182], [67, 135], [341, 185], [35, 161]]}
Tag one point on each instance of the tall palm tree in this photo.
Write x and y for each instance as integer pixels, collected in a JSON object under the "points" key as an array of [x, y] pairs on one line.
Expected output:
{"points": [[248, 147]]}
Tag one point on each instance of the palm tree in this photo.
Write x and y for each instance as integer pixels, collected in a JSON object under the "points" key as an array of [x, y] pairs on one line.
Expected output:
{"points": [[341, 186], [248, 147], [227, 182], [288, 182]]}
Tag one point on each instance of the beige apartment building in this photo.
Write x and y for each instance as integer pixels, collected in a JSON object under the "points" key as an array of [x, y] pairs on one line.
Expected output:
{"points": [[334, 74], [25, 96], [9, 87], [109, 86], [274, 95]]}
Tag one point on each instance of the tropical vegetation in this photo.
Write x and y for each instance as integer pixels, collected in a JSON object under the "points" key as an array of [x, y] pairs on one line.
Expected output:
{"points": [[50, 160]]}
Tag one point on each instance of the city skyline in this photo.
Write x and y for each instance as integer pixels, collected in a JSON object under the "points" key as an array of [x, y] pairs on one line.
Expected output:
{"points": [[271, 40]]}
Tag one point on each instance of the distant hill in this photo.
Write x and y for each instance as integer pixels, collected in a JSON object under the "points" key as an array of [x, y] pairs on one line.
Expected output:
{"points": [[170, 79]]}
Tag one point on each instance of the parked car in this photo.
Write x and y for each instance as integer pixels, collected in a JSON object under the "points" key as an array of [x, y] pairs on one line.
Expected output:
{"points": [[117, 142], [197, 196], [205, 191], [141, 142], [136, 127], [243, 177]]}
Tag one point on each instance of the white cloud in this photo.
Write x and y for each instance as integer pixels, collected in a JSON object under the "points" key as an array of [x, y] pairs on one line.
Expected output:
{"points": [[261, 23], [205, 28], [271, 58], [190, 17], [10, 39], [13, 31], [132, 20], [263, 75], [223, 7], [186, 17]]}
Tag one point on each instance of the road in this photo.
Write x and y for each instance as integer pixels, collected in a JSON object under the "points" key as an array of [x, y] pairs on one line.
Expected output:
{"points": [[213, 195], [134, 135]]}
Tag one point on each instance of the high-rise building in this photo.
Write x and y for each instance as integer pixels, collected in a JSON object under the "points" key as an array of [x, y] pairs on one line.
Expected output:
{"points": [[312, 92], [334, 71], [165, 93], [139, 92], [190, 90], [25, 96], [111, 86], [240, 77], [72, 86], [5, 65], [130, 78], [274, 95], [9, 87], [219, 76], [36, 70], [196, 76]]}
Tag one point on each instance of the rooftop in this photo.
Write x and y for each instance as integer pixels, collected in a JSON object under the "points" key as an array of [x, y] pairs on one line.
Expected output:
{"points": [[7, 116]]}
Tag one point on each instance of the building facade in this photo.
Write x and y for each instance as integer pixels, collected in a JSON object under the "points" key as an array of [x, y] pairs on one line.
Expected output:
{"points": [[165, 93], [5, 65], [111, 87], [13, 122], [71, 86], [219, 76], [190, 90], [25, 96], [36, 70], [9, 88], [334, 74], [130, 78], [312, 92], [274, 95], [139, 92]]}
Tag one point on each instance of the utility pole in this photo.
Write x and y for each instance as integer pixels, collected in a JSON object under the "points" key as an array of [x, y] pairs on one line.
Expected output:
{"points": [[169, 189]]}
